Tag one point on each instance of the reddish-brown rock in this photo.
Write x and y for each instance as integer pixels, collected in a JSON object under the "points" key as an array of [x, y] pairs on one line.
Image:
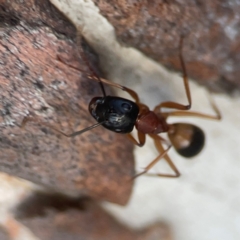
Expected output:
{"points": [[211, 30], [35, 82], [56, 218]]}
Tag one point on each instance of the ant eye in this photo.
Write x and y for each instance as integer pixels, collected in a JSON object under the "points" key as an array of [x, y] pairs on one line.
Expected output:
{"points": [[126, 107]]}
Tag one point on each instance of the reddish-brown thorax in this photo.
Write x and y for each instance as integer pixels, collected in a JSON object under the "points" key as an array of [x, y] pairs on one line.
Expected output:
{"points": [[150, 122]]}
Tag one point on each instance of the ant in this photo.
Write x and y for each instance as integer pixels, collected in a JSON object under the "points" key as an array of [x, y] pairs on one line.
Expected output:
{"points": [[121, 115]]}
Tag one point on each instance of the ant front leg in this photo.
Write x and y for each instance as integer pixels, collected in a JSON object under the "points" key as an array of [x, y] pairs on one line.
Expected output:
{"points": [[141, 139], [141, 136], [90, 71], [80, 40], [162, 154], [97, 78], [132, 93], [93, 71], [65, 62]]}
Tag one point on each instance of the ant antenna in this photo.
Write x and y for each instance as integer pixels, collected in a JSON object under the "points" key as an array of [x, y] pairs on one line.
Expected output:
{"points": [[81, 53], [27, 119], [81, 131]]}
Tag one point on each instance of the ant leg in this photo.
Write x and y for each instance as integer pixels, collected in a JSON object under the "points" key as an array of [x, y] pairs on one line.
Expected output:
{"points": [[196, 114], [132, 93], [30, 119], [64, 61], [79, 41], [141, 139], [176, 105], [80, 51], [141, 136], [95, 76], [163, 154], [192, 114]]}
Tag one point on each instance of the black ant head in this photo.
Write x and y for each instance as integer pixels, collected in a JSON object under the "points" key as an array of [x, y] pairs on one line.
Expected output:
{"points": [[187, 139], [117, 114]]}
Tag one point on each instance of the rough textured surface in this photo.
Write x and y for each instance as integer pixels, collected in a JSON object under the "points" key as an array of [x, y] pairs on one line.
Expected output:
{"points": [[55, 218], [211, 29], [34, 82], [35, 13], [204, 203], [3, 235]]}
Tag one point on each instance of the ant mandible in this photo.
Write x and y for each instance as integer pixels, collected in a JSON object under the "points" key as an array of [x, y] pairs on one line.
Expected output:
{"points": [[121, 115]]}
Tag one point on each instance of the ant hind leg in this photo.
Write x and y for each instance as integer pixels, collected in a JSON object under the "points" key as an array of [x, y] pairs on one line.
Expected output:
{"points": [[175, 105], [162, 154]]}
